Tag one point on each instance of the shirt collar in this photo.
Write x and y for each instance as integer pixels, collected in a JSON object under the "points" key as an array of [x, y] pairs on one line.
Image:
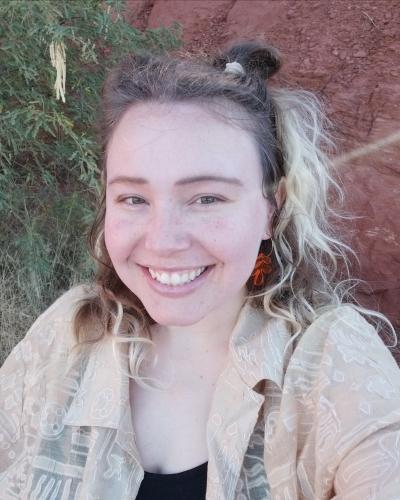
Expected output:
{"points": [[257, 346], [257, 352]]}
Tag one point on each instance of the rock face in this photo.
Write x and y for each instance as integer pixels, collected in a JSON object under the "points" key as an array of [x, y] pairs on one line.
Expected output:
{"points": [[349, 54]]}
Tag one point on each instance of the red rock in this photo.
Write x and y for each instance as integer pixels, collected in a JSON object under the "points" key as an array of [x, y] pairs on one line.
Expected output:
{"points": [[361, 53], [363, 108], [195, 16], [255, 18], [136, 12]]}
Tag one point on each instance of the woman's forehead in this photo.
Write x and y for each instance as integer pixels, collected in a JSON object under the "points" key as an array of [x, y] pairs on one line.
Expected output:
{"points": [[183, 138], [169, 116]]}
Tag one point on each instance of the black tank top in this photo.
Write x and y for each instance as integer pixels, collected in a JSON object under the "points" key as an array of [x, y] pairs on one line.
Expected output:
{"points": [[189, 484]]}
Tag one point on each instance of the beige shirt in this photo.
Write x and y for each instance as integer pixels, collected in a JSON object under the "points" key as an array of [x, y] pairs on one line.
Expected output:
{"points": [[321, 422]]}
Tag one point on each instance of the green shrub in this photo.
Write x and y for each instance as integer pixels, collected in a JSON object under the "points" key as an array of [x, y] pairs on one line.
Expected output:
{"points": [[48, 152]]}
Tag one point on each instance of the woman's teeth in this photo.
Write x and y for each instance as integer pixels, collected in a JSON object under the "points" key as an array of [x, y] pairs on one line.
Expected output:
{"points": [[175, 278]]}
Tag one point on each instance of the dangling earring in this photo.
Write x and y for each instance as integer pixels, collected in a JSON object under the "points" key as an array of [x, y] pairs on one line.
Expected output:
{"points": [[262, 268]]}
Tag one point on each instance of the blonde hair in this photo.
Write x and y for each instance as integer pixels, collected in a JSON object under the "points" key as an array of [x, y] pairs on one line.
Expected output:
{"points": [[289, 128]]}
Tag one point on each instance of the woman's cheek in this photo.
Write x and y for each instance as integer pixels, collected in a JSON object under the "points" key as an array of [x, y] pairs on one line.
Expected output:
{"points": [[118, 235], [228, 235], [219, 230]]}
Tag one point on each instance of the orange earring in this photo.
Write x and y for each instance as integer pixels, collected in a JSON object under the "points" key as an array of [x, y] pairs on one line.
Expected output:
{"points": [[262, 268]]}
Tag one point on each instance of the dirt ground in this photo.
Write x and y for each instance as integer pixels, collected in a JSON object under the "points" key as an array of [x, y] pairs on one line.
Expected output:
{"points": [[348, 52]]}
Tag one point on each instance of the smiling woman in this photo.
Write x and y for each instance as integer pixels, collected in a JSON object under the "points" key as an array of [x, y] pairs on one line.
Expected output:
{"points": [[171, 233], [218, 355]]}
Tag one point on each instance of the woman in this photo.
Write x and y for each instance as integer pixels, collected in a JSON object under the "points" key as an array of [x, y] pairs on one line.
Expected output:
{"points": [[214, 357]]}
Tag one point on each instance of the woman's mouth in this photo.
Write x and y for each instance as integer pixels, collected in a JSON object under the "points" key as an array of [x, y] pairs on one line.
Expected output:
{"points": [[176, 278], [176, 283]]}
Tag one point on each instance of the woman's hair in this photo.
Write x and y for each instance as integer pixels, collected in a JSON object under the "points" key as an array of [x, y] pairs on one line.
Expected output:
{"points": [[289, 130]]}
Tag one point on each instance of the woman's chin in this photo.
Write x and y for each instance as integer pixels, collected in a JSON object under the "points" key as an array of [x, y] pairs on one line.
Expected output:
{"points": [[177, 319]]}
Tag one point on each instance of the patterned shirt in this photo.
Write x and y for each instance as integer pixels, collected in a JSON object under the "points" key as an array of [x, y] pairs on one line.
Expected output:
{"points": [[317, 421]]}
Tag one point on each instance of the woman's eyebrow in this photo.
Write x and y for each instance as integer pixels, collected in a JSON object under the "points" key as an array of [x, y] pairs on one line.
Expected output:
{"points": [[208, 178], [181, 182]]}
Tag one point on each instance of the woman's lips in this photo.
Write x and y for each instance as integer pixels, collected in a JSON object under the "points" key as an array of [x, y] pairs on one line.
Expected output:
{"points": [[176, 290]]}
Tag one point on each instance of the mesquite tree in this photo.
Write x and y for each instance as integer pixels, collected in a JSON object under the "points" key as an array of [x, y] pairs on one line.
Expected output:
{"points": [[53, 58]]}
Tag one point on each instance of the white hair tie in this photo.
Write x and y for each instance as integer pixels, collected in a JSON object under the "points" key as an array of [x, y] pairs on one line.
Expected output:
{"points": [[234, 67]]}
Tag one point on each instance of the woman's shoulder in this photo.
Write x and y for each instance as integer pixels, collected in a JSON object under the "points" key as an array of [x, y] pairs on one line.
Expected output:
{"points": [[35, 372], [342, 347], [52, 333], [345, 385], [342, 327], [345, 316], [65, 305]]}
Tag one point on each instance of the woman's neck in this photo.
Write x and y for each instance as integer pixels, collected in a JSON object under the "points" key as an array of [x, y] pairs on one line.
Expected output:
{"points": [[201, 340]]}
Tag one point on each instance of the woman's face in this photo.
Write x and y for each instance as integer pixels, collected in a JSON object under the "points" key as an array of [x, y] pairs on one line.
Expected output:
{"points": [[183, 197]]}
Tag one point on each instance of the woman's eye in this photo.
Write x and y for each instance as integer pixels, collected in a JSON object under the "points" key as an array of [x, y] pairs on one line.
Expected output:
{"points": [[134, 200], [208, 200]]}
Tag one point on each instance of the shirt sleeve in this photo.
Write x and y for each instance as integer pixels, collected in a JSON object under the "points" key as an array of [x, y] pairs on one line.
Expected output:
{"points": [[372, 469], [367, 408], [342, 404], [23, 379]]}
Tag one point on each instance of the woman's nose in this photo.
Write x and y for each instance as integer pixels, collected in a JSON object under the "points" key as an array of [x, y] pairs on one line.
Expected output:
{"points": [[166, 233]]}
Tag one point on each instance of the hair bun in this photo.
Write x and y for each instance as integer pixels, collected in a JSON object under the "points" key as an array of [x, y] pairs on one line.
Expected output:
{"points": [[256, 57]]}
